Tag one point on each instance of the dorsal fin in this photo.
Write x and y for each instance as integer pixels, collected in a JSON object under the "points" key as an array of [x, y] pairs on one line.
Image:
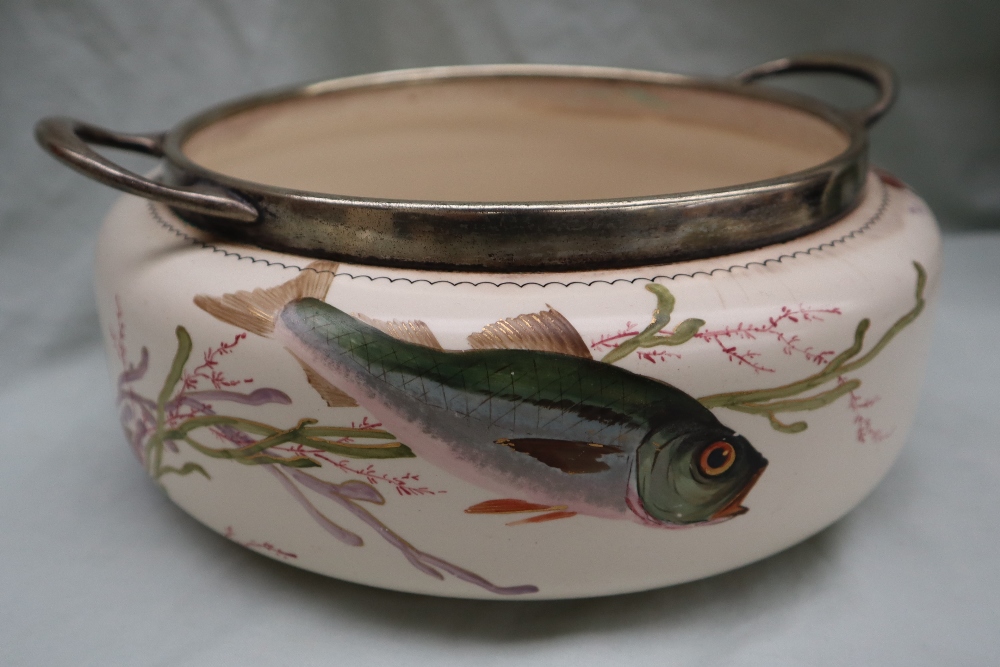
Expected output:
{"points": [[411, 331], [546, 331], [334, 396], [256, 311]]}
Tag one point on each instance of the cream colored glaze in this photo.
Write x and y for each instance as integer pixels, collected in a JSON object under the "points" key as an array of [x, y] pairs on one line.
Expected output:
{"points": [[515, 139], [149, 271]]}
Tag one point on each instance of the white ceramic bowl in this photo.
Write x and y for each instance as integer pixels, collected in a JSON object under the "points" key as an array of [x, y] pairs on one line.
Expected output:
{"points": [[536, 434]]}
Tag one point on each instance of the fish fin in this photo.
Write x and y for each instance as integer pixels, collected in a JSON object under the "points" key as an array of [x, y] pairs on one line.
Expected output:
{"points": [[545, 331], [572, 457], [551, 516], [256, 311], [510, 506], [411, 331], [334, 396]]}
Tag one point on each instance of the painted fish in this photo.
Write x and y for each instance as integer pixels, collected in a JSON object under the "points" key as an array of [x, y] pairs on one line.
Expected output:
{"points": [[559, 431]]}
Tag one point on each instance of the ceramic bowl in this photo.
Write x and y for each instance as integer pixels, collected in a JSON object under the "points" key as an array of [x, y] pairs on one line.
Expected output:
{"points": [[516, 332]]}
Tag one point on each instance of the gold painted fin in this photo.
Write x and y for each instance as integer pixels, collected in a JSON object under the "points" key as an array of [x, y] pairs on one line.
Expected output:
{"points": [[546, 331], [256, 311], [334, 396], [411, 331]]}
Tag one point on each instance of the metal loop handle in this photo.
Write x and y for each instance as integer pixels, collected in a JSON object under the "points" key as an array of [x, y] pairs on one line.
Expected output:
{"points": [[67, 140], [860, 67]]}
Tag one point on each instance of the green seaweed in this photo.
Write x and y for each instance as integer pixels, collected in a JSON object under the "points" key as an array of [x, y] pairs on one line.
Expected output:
{"points": [[284, 452], [650, 336], [304, 434], [154, 447], [785, 398]]}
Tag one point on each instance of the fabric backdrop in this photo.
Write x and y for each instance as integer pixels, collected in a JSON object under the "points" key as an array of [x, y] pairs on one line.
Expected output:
{"points": [[143, 66]]}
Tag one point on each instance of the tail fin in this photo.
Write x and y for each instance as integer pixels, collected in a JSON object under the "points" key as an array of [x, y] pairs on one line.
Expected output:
{"points": [[256, 311]]}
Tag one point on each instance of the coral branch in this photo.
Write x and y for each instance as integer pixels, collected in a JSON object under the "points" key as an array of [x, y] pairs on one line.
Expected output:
{"points": [[866, 431], [611, 341], [181, 409], [118, 333], [207, 370], [657, 355], [629, 339], [791, 344], [761, 401], [402, 484]]}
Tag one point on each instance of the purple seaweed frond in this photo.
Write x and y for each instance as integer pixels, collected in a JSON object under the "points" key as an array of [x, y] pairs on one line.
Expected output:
{"points": [[146, 422], [135, 373], [256, 397], [421, 560]]}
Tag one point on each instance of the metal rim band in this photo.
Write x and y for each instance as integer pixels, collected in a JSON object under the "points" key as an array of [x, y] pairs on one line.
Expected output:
{"points": [[509, 237]]}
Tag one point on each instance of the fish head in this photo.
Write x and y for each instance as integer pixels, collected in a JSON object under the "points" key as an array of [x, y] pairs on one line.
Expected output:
{"points": [[696, 473]]}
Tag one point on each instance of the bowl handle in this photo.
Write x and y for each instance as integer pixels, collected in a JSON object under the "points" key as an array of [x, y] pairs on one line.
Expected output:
{"points": [[860, 67], [68, 140]]}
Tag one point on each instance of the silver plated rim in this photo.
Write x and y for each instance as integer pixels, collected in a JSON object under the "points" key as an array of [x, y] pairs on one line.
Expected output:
{"points": [[502, 236], [174, 140]]}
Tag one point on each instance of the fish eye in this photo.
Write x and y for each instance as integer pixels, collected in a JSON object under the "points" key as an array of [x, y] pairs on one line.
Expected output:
{"points": [[717, 458]]}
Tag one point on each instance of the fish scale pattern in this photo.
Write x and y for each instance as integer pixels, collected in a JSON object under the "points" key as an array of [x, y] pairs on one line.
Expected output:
{"points": [[511, 391]]}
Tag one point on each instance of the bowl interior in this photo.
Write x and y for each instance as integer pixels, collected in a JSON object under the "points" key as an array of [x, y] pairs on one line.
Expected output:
{"points": [[515, 139]]}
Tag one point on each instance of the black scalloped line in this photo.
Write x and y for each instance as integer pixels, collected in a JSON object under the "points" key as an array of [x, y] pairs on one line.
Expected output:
{"points": [[883, 205]]}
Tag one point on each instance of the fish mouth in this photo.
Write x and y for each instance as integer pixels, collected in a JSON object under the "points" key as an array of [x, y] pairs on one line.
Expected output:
{"points": [[734, 507]]}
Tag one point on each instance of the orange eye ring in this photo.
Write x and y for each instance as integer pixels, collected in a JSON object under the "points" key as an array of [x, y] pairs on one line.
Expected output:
{"points": [[717, 458]]}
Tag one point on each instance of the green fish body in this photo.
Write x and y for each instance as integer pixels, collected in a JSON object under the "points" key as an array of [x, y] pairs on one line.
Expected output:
{"points": [[540, 426]]}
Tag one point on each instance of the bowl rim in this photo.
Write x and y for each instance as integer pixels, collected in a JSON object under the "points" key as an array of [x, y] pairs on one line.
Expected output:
{"points": [[509, 236], [843, 122]]}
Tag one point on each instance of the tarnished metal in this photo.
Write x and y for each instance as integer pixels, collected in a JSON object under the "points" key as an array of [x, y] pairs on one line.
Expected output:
{"points": [[502, 236], [68, 140], [868, 69]]}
